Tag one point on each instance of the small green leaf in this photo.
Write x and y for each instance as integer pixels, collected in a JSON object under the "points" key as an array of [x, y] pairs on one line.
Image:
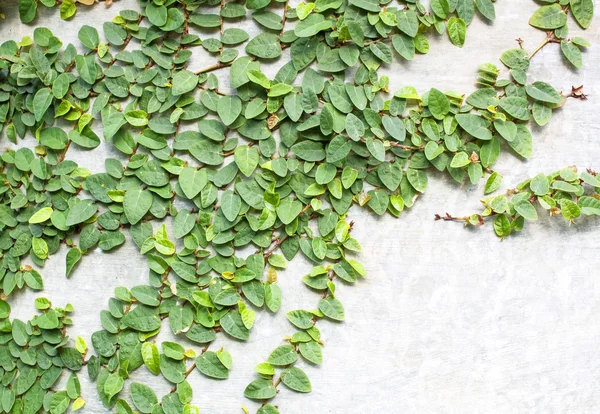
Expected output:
{"points": [[296, 380], [73, 257], [493, 182], [548, 17], [229, 108], [260, 389], [137, 203], [183, 82], [457, 31], [209, 364], [283, 355], [41, 215], [332, 308], [526, 209]]}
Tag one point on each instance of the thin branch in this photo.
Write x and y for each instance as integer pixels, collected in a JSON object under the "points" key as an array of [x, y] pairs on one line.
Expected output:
{"points": [[216, 66], [550, 38]]}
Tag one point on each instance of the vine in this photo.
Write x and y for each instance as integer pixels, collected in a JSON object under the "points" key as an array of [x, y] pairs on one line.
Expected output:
{"points": [[565, 192], [248, 180]]}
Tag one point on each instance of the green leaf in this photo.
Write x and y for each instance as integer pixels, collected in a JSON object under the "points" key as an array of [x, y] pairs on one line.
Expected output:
{"points": [[354, 127], [239, 70], [493, 182], [246, 158], [393, 126], [137, 203], [516, 107], [278, 261], [67, 9], [418, 179], [590, 179], [507, 129], [404, 46], [379, 201], [296, 380], [86, 66], [264, 46], [234, 36], [589, 206], [260, 389], [59, 402], [113, 385], [183, 82], [41, 102], [460, 159], [583, 11], [27, 10], [39, 247], [486, 8], [548, 17], [146, 295], [569, 209], [41, 215], [526, 209], [376, 148], [229, 108], [231, 205], [268, 409], [544, 92], [522, 144], [233, 325], [259, 78], [540, 185], [572, 53], [368, 5], [208, 152], [438, 104], [502, 226], [332, 308], [143, 397], [311, 351], [151, 357], [19, 332], [73, 257], [301, 319], [192, 181], [88, 35], [209, 364], [381, 51], [80, 212], [142, 318], [304, 9], [110, 239], [54, 138], [283, 355], [225, 358], [137, 118], [312, 25], [157, 14], [288, 209], [272, 296], [457, 31], [280, 89], [475, 125]]}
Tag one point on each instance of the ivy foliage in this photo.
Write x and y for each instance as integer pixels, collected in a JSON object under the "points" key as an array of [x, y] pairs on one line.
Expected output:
{"points": [[566, 192], [247, 180], [28, 9], [33, 356]]}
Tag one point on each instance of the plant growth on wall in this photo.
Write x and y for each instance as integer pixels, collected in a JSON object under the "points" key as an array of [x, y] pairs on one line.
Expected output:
{"points": [[247, 180]]}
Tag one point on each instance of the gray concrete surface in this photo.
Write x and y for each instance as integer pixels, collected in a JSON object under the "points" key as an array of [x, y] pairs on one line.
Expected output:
{"points": [[448, 320]]}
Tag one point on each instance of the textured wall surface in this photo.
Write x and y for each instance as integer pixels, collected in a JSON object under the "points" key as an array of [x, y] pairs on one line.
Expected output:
{"points": [[448, 320]]}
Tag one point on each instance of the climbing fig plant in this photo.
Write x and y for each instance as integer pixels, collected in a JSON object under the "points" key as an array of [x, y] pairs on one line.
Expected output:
{"points": [[221, 186]]}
